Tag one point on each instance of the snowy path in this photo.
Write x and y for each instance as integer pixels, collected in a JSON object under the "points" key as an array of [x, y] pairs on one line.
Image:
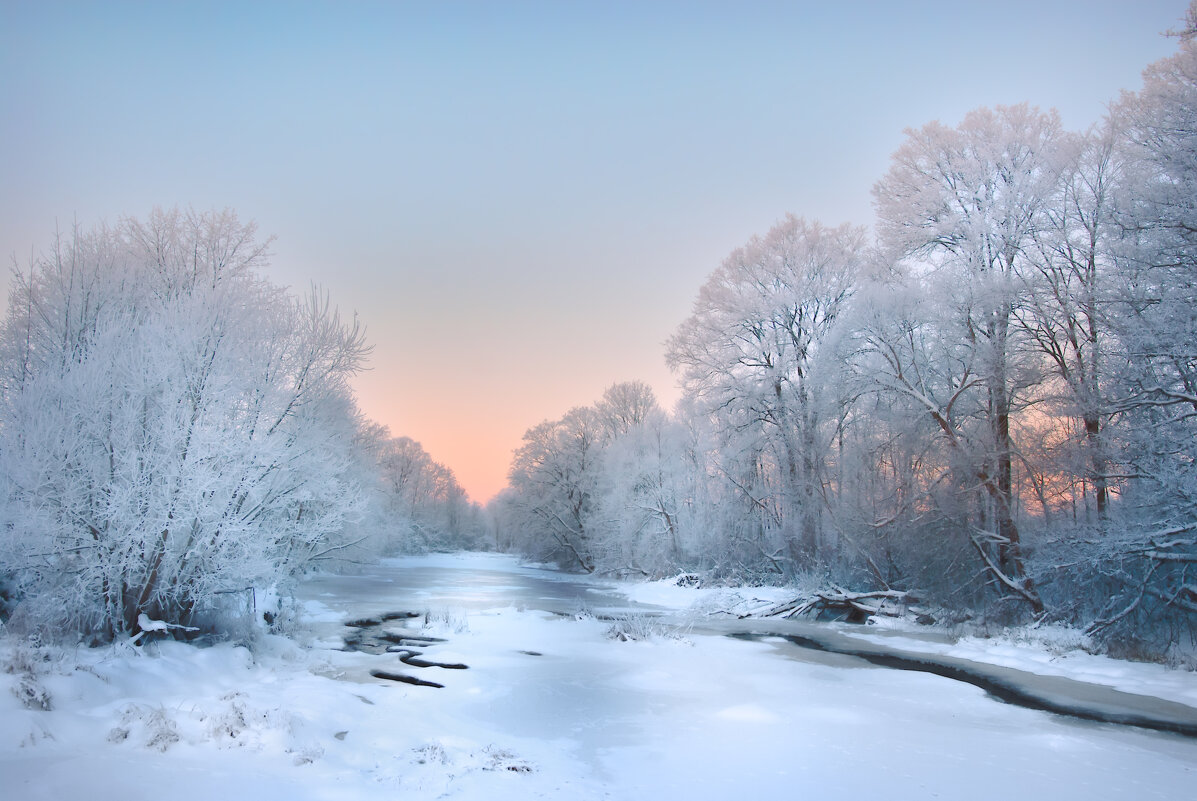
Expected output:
{"points": [[549, 707]]}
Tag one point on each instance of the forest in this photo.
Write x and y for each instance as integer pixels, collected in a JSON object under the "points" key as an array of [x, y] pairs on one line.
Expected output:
{"points": [[985, 403]]}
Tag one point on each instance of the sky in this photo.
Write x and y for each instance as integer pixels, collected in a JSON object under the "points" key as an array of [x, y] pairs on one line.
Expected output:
{"points": [[520, 200]]}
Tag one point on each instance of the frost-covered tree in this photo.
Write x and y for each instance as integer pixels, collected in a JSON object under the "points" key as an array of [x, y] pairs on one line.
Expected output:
{"points": [[1146, 560], [173, 427], [641, 485], [749, 356], [553, 478], [966, 204], [627, 406], [1068, 289]]}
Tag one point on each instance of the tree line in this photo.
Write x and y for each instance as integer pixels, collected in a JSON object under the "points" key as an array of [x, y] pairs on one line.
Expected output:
{"points": [[990, 400], [178, 433]]}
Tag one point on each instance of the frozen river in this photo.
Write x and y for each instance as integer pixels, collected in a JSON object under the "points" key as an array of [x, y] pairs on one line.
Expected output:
{"points": [[706, 716], [462, 581], [537, 699]]}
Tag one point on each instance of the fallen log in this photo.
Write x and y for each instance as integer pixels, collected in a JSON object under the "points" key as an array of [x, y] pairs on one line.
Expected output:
{"points": [[852, 607]]}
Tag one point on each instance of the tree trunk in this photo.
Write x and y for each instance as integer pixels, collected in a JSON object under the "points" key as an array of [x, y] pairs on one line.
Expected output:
{"points": [[1100, 482]]}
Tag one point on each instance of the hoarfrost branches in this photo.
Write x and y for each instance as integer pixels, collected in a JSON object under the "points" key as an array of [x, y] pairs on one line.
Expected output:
{"points": [[995, 402], [172, 425]]}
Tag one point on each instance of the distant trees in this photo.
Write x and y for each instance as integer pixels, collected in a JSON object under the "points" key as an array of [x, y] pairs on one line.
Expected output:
{"points": [[172, 426], [555, 475], [420, 504], [1069, 285], [643, 485], [600, 489]]}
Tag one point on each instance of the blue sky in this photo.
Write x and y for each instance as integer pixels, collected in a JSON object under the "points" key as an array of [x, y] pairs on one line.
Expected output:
{"points": [[519, 199]]}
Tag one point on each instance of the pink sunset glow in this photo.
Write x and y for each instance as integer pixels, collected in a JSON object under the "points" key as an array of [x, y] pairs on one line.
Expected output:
{"points": [[518, 201]]}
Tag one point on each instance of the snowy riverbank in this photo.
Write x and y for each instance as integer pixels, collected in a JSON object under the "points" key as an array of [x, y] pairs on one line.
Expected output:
{"points": [[1046, 651], [550, 706]]}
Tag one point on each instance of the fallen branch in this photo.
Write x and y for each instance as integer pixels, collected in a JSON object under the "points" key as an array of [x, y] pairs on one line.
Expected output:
{"points": [[857, 605], [147, 624]]}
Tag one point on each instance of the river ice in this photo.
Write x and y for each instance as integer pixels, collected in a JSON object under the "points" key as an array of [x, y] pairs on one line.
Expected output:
{"points": [[550, 707]]}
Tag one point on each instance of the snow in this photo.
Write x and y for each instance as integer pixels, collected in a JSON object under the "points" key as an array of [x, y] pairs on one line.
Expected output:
{"points": [[669, 594], [146, 624], [695, 716], [1045, 656]]}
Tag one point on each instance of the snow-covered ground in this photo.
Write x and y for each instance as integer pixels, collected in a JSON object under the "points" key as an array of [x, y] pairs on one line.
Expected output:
{"points": [[551, 707], [1045, 651]]}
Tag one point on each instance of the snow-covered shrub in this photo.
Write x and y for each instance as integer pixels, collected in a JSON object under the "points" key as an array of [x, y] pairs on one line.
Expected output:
{"points": [[27, 660], [446, 621], [496, 758], [584, 612], [231, 722], [634, 627], [151, 727], [173, 427], [280, 612], [431, 754]]}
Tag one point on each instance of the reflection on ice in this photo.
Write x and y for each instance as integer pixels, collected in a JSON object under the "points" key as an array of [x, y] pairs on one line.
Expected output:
{"points": [[477, 582]]}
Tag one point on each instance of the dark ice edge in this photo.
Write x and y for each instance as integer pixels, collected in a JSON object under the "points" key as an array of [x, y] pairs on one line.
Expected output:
{"points": [[1069, 697]]}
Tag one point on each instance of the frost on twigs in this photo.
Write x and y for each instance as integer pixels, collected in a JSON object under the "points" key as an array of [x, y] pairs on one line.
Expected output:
{"points": [[634, 627], [584, 612], [495, 758], [450, 621], [153, 726], [182, 431], [432, 753], [30, 692], [437, 765], [27, 661], [228, 722]]}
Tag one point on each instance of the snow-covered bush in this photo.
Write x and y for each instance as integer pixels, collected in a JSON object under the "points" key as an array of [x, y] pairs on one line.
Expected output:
{"points": [[633, 627], [26, 660], [173, 427], [447, 621]]}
